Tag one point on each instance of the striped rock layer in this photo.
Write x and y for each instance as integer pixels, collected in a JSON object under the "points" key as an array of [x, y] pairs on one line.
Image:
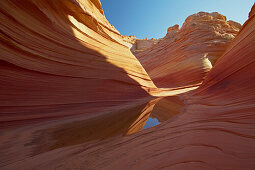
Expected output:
{"points": [[185, 56], [62, 62], [63, 58]]}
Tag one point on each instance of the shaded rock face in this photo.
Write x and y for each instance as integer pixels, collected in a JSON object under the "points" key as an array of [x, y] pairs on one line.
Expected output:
{"points": [[61, 61], [185, 56], [58, 57], [214, 131], [69, 81]]}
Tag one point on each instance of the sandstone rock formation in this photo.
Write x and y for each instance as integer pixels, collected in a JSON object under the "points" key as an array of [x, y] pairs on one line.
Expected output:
{"points": [[61, 58], [167, 108], [68, 82], [130, 40], [139, 45], [184, 56], [143, 44], [215, 131], [63, 67]]}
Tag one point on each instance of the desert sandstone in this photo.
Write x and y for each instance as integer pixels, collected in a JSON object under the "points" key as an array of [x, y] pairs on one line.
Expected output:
{"points": [[185, 55], [73, 96]]}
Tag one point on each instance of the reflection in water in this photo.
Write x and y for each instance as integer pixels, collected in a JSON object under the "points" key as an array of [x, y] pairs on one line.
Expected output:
{"points": [[165, 109], [150, 123], [119, 123], [124, 121]]}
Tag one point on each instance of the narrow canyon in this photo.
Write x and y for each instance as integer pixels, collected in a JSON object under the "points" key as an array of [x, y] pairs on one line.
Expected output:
{"points": [[76, 94]]}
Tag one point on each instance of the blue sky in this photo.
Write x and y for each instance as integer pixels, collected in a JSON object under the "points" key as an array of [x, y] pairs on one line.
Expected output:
{"points": [[151, 18]]}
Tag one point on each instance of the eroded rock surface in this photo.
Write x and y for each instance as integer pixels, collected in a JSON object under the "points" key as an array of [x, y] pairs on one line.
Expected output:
{"points": [[139, 45], [63, 58], [185, 55], [63, 67], [61, 61], [143, 44], [215, 130]]}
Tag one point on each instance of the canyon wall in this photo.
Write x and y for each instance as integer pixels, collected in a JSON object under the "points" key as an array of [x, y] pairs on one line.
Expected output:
{"points": [[214, 131], [139, 45], [63, 67], [61, 63], [185, 56], [63, 58], [143, 44]]}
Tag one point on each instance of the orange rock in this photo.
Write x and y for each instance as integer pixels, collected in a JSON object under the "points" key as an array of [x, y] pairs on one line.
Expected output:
{"points": [[143, 44], [61, 66], [62, 63], [215, 130], [64, 68], [167, 108], [63, 58], [184, 56]]}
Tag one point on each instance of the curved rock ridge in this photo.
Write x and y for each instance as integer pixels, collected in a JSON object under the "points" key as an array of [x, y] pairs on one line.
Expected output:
{"points": [[63, 58], [63, 67], [184, 56], [143, 44], [139, 45], [214, 131]]}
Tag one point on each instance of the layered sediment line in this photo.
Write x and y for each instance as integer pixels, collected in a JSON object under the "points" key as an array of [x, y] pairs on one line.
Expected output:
{"points": [[185, 55], [214, 131], [62, 63], [64, 67], [62, 58]]}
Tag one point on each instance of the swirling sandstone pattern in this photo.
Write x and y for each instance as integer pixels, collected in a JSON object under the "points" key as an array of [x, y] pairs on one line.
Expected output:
{"points": [[61, 63], [63, 68], [184, 56], [216, 130], [61, 58]]}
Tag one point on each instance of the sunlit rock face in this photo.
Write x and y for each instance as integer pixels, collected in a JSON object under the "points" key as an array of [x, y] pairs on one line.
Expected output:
{"points": [[130, 40], [185, 55], [63, 58], [61, 62], [143, 44], [139, 45], [214, 131], [72, 95]]}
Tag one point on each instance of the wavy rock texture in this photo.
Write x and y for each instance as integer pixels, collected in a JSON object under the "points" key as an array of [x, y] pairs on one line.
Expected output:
{"points": [[69, 80], [66, 77], [62, 58], [214, 131], [62, 61], [184, 56]]}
